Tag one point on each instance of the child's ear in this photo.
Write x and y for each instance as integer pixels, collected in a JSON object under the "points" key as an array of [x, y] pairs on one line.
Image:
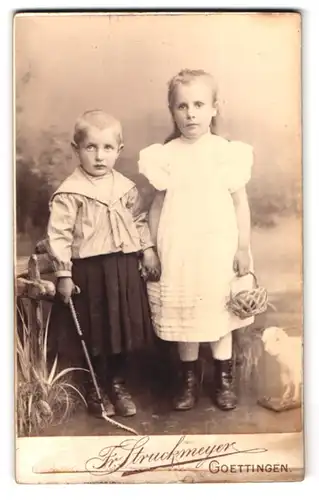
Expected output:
{"points": [[75, 148], [121, 147], [215, 108]]}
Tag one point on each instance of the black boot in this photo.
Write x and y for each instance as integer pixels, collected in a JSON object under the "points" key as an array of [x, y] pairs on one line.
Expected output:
{"points": [[188, 395], [123, 403], [121, 398], [225, 397], [92, 400], [94, 404]]}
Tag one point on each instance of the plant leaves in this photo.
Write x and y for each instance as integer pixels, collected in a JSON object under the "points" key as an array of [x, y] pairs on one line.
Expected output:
{"points": [[52, 372], [46, 407], [66, 371], [45, 342], [77, 391]]}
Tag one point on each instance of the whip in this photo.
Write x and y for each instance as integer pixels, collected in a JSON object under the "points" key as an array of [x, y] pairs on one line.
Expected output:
{"points": [[86, 353]]}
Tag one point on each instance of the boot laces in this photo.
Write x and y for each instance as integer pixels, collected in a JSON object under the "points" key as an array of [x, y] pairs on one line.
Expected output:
{"points": [[120, 390]]}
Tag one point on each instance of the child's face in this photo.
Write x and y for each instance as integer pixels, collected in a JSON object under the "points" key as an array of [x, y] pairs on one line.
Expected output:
{"points": [[98, 151], [193, 109]]}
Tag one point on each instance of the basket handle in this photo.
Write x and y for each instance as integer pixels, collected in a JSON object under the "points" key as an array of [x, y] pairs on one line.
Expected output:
{"points": [[236, 277]]}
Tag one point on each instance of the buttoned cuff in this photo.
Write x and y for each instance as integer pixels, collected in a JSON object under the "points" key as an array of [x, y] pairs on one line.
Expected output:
{"points": [[63, 274], [145, 246]]}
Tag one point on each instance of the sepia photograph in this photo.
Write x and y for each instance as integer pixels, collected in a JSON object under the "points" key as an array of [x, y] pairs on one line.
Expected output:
{"points": [[158, 247]]}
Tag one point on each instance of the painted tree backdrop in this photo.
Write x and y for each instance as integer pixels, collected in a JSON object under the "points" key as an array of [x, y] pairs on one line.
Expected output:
{"points": [[65, 64]]}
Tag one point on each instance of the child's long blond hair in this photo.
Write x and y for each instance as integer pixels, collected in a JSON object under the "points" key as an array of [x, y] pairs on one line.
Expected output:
{"points": [[184, 77]]}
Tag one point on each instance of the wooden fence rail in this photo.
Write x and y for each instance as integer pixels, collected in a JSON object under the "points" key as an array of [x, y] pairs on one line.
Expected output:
{"points": [[31, 291]]}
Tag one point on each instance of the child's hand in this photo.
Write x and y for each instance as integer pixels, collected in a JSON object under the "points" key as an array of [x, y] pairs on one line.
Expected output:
{"points": [[241, 262], [65, 288], [151, 264], [41, 247]]}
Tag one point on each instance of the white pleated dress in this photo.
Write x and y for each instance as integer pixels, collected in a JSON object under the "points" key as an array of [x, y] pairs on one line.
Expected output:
{"points": [[197, 235]]}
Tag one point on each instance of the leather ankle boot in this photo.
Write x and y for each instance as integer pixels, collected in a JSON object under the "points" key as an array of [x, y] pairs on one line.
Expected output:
{"points": [[92, 399], [225, 397], [188, 394], [94, 404], [122, 400]]}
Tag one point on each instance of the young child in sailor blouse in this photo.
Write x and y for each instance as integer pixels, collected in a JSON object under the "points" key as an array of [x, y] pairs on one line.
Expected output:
{"points": [[95, 236], [200, 220]]}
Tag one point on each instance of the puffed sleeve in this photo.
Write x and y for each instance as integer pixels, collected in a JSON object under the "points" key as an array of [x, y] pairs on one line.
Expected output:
{"points": [[239, 165], [153, 163]]}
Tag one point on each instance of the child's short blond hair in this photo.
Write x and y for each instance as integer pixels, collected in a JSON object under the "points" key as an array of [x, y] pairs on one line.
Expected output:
{"points": [[99, 119]]}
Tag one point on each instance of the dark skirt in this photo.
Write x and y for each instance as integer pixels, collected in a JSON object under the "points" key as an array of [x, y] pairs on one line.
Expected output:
{"points": [[112, 309]]}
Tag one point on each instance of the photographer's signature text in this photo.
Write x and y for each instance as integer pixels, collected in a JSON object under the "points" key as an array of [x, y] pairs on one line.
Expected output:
{"points": [[130, 456]]}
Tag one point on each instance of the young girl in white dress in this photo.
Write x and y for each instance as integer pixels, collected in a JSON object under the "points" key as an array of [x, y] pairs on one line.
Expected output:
{"points": [[200, 222]]}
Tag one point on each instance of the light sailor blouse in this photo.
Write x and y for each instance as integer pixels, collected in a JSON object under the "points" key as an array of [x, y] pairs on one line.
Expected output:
{"points": [[95, 216]]}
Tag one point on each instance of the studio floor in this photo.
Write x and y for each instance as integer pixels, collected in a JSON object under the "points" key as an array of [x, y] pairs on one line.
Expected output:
{"points": [[152, 381]]}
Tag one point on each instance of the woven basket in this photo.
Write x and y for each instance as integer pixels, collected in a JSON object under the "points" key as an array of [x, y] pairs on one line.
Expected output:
{"points": [[248, 303]]}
